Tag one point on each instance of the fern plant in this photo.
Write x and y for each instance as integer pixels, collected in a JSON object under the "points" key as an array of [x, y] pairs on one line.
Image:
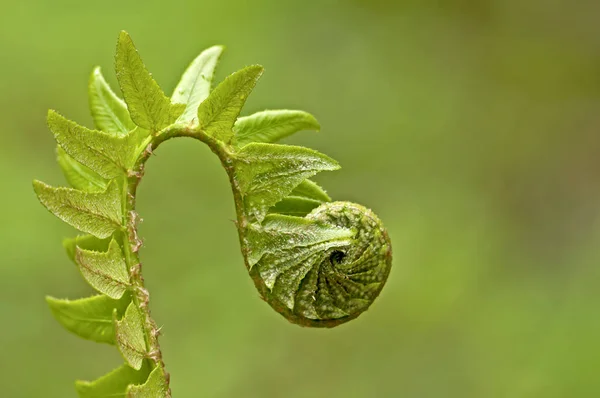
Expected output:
{"points": [[318, 263]]}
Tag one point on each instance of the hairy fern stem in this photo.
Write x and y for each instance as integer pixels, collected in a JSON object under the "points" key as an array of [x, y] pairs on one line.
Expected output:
{"points": [[131, 244]]}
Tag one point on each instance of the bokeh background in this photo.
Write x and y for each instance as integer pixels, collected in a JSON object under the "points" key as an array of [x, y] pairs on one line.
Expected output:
{"points": [[471, 127]]}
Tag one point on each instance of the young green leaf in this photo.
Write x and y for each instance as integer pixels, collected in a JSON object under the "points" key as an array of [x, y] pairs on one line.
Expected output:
{"points": [[114, 384], [78, 175], [87, 242], [194, 86], [129, 333], [98, 214], [311, 190], [108, 155], [302, 200], [156, 386], [271, 126], [266, 173], [217, 114], [104, 271], [148, 105], [90, 318], [295, 206], [280, 233], [109, 111]]}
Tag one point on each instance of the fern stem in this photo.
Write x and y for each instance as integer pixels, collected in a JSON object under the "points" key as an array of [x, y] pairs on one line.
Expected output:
{"points": [[141, 297]]}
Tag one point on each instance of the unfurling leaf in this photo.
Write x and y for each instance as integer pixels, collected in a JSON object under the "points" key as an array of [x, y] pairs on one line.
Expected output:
{"points": [[148, 105], [335, 280], [129, 333], [90, 318], [266, 173], [218, 112], [156, 386], [109, 111], [194, 86], [104, 271], [311, 190], [271, 126], [302, 200], [106, 154], [295, 206], [98, 214], [78, 175], [114, 384]]}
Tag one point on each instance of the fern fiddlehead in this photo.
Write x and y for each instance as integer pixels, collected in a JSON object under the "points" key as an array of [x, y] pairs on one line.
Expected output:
{"points": [[335, 280], [317, 262]]}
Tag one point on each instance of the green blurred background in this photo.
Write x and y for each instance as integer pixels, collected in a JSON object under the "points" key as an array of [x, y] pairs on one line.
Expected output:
{"points": [[471, 127]]}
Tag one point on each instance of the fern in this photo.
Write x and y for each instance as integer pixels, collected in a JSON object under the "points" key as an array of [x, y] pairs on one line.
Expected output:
{"points": [[317, 262]]}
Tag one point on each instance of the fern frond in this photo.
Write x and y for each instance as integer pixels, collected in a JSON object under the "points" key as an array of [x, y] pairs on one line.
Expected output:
{"points": [[318, 263]]}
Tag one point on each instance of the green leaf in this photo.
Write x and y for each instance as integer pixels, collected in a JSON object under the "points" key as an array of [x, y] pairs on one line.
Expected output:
{"points": [[295, 206], [302, 200], [109, 111], [218, 112], [104, 271], [129, 333], [87, 242], [148, 105], [155, 387], [271, 126], [90, 318], [266, 173], [280, 233], [106, 154], [98, 214], [194, 86], [114, 384], [309, 189], [78, 175]]}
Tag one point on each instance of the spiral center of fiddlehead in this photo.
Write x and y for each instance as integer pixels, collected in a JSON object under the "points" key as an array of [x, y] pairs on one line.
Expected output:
{"points": [[337, 257]]}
